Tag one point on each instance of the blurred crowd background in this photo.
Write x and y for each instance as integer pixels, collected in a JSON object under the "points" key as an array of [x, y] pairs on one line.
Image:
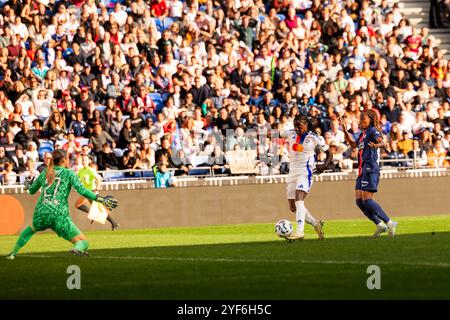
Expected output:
{"points": [[162, 84]]}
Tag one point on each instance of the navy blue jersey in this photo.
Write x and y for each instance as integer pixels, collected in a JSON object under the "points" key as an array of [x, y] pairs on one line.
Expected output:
{"points": [[367, 156]]}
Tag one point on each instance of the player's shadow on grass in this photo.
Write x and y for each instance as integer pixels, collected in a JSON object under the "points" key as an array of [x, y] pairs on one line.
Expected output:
{"points": [[418, 245], [333, 269]]}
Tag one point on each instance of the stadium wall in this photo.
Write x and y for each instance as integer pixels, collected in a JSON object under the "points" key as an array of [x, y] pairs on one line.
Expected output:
{"points": [[259, 203]]}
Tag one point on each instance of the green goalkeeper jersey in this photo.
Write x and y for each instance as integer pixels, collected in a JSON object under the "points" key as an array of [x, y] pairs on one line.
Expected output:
{"points": [[52, 209], [58, 192]]}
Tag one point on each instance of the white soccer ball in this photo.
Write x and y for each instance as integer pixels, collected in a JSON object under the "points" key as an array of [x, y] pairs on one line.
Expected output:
{"points": [[284, 228]]}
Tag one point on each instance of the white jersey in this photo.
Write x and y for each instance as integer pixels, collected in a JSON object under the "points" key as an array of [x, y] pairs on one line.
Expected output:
{"points": [[303, 162]]}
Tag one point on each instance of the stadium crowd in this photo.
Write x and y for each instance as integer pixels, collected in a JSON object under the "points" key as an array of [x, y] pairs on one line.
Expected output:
{"points": [[139, 83]]}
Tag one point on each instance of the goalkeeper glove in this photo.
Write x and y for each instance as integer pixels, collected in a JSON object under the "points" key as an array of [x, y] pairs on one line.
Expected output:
{"points": [[28, 182], [107, 201]]}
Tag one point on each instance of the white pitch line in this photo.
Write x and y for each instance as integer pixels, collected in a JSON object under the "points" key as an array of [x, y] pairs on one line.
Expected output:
{"points": [[231, 260]]}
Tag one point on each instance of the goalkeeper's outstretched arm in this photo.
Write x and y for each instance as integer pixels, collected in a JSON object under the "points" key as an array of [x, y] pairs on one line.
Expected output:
{"points": [[108, 201]]}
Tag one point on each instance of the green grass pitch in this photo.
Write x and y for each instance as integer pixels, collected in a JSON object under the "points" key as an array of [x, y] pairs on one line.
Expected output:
{"points": [[237, 262]]}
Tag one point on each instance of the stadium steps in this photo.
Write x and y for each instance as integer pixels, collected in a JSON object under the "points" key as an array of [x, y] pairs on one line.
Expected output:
{"points": [[418, 11]]}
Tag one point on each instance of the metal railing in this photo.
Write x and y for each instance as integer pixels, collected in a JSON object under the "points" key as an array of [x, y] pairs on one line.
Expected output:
{"points": [[191, 181], [144, 178]]}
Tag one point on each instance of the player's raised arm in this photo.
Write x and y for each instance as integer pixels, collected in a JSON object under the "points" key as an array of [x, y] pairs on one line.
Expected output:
{"points": [[329, 156], [348, 136], [380, 143]]}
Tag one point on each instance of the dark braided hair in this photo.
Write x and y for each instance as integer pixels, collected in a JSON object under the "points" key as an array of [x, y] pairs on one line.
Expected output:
{"points": [[302, 117], [374, 120]]}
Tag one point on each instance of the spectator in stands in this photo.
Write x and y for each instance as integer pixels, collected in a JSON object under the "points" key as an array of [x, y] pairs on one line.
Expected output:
{"points": [[221, 64], [166, 150], [127, 135], [405, 145], [9, 176], [436, 156], [72, 146], [435, 15], [395, 154], [32, 152], [98, 138], [25, 136], [426, 140], [9, 145], [3, 158], [107, 160], [146, 155], [418, 155], [131, 157], [200, 92], [163, 177], [392, 110], [182, 163], [78, 126], [19, 159], [30, 171]]}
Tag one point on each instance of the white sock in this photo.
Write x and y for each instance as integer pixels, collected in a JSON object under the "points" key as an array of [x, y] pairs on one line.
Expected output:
{"points": [[389, 224], [310, 219], [300, 215]]}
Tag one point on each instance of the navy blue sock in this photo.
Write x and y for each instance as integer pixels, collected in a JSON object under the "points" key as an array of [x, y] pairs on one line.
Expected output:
{"points": [[376, 210], [367, 212]]}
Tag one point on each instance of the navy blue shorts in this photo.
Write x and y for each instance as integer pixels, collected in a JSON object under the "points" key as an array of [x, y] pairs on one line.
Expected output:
{"points": [[368, 182]]}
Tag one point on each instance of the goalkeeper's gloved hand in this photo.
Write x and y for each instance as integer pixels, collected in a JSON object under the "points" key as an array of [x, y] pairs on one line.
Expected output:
{"points": [[108, 201], [28, 182]]}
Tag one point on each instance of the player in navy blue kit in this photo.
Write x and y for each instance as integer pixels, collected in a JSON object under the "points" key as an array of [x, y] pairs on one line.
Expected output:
{"points": [[367, 144]]}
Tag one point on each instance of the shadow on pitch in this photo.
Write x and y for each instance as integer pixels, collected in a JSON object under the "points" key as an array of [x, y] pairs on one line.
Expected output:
{"points": [[348, 247]]}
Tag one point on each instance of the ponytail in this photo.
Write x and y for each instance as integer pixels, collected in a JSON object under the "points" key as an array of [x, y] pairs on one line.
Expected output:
{"points": [[58, 157], [50, 174]]}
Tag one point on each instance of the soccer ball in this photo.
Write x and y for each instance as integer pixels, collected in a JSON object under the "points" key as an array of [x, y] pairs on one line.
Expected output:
{"points": [[284, 228]]}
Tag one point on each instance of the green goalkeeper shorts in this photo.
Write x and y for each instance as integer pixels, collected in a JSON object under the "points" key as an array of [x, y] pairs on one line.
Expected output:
{"points": [[61, 224]]}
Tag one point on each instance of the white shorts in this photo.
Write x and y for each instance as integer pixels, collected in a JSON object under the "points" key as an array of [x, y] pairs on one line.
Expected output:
{"points": [[301, 182]]}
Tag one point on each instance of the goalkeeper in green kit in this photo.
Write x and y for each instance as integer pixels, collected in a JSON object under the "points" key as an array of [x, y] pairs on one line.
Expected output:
{"points": [[52, 209]]}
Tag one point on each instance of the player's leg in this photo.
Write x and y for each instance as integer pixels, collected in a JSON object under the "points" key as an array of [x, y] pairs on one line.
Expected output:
{"points": [[369, 187], [80, 245], [23, 239], [309, 219], [70, 232], [300, 215], [364, 209], [83, 204], [318, 225], [302, 186], [377, 211], [362, 183], [114, 224]]}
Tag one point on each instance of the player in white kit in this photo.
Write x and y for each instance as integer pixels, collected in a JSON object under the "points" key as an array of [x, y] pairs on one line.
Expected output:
{"points": [[302, 158]]}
